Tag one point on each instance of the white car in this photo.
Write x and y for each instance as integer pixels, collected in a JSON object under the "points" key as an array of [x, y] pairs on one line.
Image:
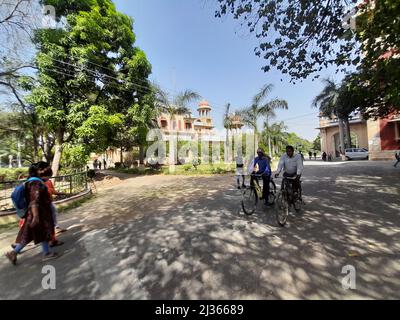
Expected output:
{"points": [[356, 153]]}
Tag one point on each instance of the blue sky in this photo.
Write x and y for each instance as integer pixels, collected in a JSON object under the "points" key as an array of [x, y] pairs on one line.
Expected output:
{"points": [[190, 49]]}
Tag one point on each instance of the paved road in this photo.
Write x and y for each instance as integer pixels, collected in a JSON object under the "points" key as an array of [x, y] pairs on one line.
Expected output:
{"points": [[166, 237]]}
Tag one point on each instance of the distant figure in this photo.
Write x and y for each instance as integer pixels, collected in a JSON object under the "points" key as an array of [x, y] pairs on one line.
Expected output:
{"points": [[239, 171], [315, 156], [397, 156], [302, 156], [95, 164], [310, 154], [104, 164], [324, 156], [99, 165]]}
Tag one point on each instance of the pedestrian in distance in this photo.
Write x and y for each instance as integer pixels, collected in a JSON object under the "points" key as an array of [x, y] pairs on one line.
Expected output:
{"points": [[397, 156]]}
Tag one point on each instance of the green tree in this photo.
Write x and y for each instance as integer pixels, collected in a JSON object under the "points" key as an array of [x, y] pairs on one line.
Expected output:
{"points": [[299, 38], [317, 143], [176, 106], [172, 107], [88, 72], [378, 80], [333, 103], [276, 137], [262, 107]]}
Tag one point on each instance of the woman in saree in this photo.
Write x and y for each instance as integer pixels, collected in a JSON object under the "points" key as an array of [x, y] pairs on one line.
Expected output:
{"points": [[38, 223]]}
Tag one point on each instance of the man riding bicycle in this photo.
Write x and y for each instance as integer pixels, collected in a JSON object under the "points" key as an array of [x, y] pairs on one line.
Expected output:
{"points": [[261, 167], [292, 166]]}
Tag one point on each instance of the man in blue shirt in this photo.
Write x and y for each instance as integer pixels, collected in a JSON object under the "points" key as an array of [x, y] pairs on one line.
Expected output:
{"points": [[261, 166]]}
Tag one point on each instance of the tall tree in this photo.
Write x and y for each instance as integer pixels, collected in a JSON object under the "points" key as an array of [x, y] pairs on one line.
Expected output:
{"points": [[378, 79], [179, 105], [262, 107], [227, 123], [88, 71], [276, 136], [331, 105]]}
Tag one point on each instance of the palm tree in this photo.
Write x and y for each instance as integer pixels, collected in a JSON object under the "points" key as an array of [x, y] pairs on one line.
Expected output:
{"points": [[227, 122], [328, 102], [277, 134], [176, 106], [261, 107]]}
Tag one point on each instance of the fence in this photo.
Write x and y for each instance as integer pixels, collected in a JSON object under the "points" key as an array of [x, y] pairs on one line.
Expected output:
{"points": [[71, 184]]}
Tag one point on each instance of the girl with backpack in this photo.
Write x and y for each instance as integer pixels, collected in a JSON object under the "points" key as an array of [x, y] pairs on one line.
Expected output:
{"points": [[38, 221]]}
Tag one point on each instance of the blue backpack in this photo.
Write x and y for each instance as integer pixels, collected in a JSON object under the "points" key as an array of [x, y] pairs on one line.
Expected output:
{"points": [[18, 198]]}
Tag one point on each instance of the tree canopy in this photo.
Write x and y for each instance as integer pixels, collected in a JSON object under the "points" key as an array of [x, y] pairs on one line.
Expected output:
{"points": [[90, 75], [299, 38]]}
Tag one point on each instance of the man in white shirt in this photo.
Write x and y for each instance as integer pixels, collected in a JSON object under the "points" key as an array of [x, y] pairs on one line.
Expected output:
{"points": [[292, 166]]}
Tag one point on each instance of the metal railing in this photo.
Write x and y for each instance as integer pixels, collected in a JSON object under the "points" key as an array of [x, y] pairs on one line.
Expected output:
{"points": [[71, 184]]}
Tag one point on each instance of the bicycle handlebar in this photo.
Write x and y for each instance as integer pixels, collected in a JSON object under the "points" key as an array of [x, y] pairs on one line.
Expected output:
{"points": [[288, 178]]}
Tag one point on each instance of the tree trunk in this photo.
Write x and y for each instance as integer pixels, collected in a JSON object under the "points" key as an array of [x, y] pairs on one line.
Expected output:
{"points": [[347, 132], [341, 136], [35, 145], [226, 156], [269, 146], [57, 159], [58, 152], [141, 154]]}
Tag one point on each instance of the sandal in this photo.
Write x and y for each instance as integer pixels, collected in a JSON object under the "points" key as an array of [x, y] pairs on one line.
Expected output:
{"points": [[50, 256], [12, 256]]}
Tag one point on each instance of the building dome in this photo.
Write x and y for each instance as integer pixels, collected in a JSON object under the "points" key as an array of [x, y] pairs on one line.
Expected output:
{"points": [[204, 103]]}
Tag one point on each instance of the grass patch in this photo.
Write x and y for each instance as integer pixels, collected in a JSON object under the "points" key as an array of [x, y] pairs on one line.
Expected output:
{"points": [[202, 169], [137, 171]]}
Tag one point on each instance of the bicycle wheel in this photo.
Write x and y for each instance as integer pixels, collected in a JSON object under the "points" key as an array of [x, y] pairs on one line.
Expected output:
{"points": [[282, 211], [249, 200], [272, 193]]}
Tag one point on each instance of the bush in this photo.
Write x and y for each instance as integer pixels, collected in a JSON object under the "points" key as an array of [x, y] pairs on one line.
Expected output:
{"points": [[74, 156], [91, 173], [10, 174], [118, 165]]}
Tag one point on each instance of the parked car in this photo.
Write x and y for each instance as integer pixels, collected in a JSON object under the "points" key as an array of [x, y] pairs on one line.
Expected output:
{"points": [[356, 153]]}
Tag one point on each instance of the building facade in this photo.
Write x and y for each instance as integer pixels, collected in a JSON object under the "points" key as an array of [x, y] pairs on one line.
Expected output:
{"points": [[380, 137], [186, 125]]}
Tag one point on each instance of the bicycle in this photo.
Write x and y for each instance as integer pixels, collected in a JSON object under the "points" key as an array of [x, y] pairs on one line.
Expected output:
{"points": [[251, 194], [287, 198]]}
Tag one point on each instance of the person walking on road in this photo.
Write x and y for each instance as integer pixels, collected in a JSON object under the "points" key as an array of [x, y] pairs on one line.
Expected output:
{"points": [[397, 156], [38, 223], [310, 155]]}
